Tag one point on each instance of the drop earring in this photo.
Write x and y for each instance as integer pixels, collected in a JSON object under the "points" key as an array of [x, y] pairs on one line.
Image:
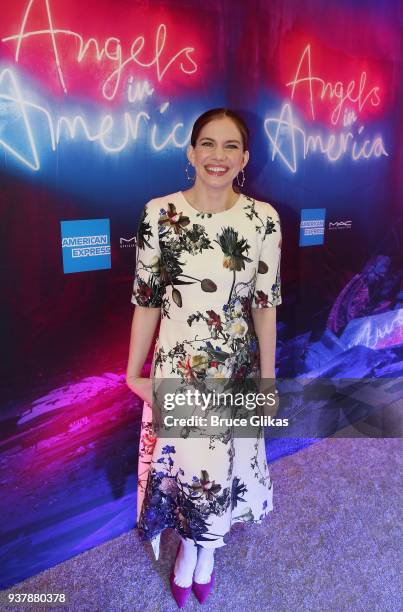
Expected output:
{"points": [[243, 178], [189, 178]]}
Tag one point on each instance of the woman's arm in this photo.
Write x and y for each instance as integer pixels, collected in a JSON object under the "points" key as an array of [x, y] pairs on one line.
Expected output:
{"points": [[144, 323], [264, 320], [265, 326]]}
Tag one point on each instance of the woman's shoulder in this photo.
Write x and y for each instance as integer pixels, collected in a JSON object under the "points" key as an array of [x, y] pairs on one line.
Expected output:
{"points": [[262, 207], [162, 201]]}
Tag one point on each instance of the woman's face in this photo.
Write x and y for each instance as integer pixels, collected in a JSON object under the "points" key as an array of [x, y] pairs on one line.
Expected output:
{"points": [[218, 155]]}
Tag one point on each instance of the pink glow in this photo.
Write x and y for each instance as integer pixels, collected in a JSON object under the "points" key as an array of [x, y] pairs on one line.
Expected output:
{"points": [[83, 49]]}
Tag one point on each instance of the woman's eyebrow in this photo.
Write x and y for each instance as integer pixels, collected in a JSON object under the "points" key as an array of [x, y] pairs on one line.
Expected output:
{"points": [[212, 139]]}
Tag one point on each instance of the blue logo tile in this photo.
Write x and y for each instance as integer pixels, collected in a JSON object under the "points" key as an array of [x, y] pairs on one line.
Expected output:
{"points": [[312, 227], [86, 245]]}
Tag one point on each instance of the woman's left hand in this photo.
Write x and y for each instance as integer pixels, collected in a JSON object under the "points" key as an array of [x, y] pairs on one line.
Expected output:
{"points": [[268, 388]]}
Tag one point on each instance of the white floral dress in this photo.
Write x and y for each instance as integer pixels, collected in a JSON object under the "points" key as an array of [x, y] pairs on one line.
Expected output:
{"points": [[205, 271]]}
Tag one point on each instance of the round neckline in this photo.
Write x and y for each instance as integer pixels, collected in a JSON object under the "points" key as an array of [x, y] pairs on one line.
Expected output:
{"points": [[210, 213]]}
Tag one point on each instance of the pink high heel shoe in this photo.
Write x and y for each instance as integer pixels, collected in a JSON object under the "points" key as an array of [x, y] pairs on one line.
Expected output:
{"points": [[202, 590], [180, 594]]}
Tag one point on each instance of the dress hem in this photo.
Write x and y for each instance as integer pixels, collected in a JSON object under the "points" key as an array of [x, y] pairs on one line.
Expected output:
{"points": [[156, 537]]}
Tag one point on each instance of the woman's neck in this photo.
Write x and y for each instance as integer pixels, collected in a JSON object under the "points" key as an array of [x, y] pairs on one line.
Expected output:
{"points": [[211, 200]]}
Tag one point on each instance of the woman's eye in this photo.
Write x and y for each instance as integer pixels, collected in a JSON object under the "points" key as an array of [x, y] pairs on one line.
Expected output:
{"points": [[207, 144], [232, 146]]}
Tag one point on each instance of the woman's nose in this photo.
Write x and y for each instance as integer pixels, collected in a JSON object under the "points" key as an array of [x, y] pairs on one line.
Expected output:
{"points": [[219, 153]]}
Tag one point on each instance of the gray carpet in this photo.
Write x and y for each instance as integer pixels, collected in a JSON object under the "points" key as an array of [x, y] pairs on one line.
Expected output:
{"points": [[332, 543]]}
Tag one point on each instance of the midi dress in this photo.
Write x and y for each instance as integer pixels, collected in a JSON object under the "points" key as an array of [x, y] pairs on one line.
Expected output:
{"points": [[205, 271]]}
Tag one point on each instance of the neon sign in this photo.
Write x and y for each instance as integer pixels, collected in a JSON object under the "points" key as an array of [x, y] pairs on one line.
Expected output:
{"points": [[286, 145], [330, 90], [113, 133], [110, 50], [379, 336], [289, 139], [103, 134]]}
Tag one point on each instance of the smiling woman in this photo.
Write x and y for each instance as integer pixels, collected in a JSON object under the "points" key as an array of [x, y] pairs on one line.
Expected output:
{"points": [[208, 261], [218, 148]]}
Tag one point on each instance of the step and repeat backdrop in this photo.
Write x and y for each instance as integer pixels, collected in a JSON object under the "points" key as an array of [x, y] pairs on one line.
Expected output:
{"points": [[97, 101]]}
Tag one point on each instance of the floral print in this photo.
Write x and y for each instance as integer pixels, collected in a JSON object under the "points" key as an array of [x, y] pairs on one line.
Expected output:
{"points": [[186, 507], [205, 271], [172, 502]]}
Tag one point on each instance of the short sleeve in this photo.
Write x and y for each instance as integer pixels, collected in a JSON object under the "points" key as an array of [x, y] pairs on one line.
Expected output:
{"points": [[148, 288], [267, 292]]}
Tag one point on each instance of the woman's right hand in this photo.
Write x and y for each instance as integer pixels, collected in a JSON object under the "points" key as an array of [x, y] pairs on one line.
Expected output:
{"points": [[141, 387]]}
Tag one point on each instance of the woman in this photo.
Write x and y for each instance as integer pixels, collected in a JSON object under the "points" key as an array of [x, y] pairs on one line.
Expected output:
{"points": [[208, 267]]}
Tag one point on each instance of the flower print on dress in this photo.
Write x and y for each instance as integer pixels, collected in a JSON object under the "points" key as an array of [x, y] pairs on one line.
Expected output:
{"points": [[213, 276], [194, 240], [148, 441], [262, 299], [218, 370], [236, 356], [171, 502], [275, 288], [148, 289], [173, 219], [234, 252], [205, 487], [233, 330], [214, 323], [237, 328], [191, 365], [176, 238]]}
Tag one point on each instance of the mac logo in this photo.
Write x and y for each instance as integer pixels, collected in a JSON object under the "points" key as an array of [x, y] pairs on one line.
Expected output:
{"points": [[128, 243], [339, 225]]}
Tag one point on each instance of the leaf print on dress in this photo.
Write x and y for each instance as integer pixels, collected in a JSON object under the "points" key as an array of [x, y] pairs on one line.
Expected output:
{"points": [[200, 483], [238, 489], [233, 249], [268, 227], [268, 291], [234, 358], [144, 232], [171, 502], [175, 239], [148, 289]]}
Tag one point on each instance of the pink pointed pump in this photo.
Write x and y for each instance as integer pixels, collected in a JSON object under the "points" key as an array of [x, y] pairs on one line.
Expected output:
{"points": [[180, 594], [202, 590]]}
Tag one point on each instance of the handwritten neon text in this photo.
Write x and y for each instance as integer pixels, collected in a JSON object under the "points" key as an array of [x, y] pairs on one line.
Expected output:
{"points": [[283, 133], [111, 50], [129, 126], [337, 90], [379, 337]]}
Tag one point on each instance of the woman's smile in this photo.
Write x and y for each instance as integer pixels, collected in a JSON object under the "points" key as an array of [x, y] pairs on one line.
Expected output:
{"points": [[216, 170]]}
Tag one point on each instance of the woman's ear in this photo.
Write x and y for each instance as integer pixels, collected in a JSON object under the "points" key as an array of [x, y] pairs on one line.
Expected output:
{"points": [[190, 154], [245, 158]]}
